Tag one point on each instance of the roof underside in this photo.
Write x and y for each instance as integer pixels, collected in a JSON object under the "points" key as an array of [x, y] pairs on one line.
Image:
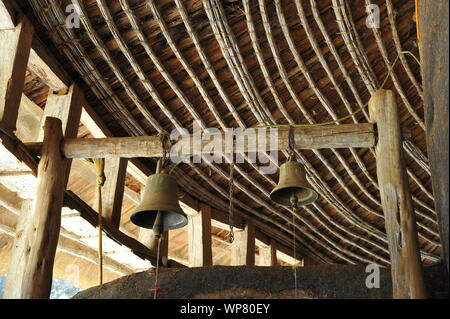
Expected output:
{"points": [[151, 66]]}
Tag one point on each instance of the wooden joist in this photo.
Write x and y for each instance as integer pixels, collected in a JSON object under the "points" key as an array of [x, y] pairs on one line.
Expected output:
{"points": [[268, 255], [113, 189], [243, 246], [400, 221], [199, 227], [15, 47]]}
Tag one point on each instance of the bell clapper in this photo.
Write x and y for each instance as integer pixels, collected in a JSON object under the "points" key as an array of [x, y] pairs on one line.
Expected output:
{"points": [[294, 201]]}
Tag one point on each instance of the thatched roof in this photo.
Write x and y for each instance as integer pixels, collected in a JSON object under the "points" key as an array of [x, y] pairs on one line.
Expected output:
{"points": [[151, 66]]}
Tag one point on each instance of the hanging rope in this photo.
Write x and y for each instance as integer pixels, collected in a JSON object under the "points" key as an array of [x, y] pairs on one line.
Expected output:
{"points": [[100, 171], [295, 253], [157, 288]]}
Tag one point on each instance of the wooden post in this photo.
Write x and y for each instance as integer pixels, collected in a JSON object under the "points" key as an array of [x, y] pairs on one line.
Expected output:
{"points": [[433, 19], [112, 191], [268, 255], [65, 106], [400, 221], [15, 47], [243, 246], [200, 250], [39, 238]]}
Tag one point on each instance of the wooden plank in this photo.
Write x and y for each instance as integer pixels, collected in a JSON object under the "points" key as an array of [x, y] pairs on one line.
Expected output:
{"points": [[15, 47], [243, 246], [113, 189], [199, 229], [400, 222], [268, 255], [334, 136], [37, 244], [435, 64]]}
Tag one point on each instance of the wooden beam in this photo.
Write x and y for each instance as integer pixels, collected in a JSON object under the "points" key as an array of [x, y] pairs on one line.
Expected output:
{"points": [[435, 67], [15, 47], [268, 255], [243, 246], [400, 222], [67, 107], [200, 249], [113, 189], [333, 136], [44, 65], [7, 15], [39, 239]]}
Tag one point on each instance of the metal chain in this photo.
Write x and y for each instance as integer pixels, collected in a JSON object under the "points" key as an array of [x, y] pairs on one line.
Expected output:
{"points": [[231, 206]]}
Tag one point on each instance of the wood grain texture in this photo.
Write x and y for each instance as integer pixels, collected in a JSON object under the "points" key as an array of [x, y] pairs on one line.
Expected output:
{"points": [[400, 221], [199, 227], [113, 189], [268, 255], [36, 244], [243, 246], [15, 47], [435, 63]]}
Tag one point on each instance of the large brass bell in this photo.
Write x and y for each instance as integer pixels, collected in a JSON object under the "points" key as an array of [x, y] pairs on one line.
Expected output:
{"points": [[159, 207], [293, 189]]}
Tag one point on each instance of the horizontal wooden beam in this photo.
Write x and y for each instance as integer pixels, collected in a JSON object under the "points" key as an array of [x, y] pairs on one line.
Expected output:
{"points": [[316, 137]]}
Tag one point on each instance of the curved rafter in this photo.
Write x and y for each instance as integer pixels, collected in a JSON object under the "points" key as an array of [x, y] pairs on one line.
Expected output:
{"points": [[365, 235]]}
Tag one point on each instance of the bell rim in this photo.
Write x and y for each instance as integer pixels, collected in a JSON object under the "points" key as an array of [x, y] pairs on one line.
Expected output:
{"points": [[184, 222], [311, 198]]}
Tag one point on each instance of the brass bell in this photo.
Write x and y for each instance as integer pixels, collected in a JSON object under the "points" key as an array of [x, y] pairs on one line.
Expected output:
{"points": [[159, 206], [293, 189]]}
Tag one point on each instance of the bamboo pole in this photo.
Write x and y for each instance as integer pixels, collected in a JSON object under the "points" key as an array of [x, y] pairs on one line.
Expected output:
{"points": [[406, 266]]}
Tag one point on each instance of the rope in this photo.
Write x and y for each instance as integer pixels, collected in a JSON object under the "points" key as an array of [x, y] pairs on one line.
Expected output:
{"points": [[391, 68], [100, 171], [295, 254], [157, 289]]}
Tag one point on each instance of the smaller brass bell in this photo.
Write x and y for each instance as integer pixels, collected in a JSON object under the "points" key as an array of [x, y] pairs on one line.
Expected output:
{"points": [[293, 189], [160, 204]]}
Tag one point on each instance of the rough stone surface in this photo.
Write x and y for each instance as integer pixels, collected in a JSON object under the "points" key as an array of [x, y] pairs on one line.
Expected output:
{"points": [[243, 282]]}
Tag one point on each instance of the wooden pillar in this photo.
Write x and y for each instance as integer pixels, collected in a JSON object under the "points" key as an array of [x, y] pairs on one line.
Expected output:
{"points": [[31, 266], [433, 18], [112, 191], [200, 249], [15, 47], [268, 255], [400, 221], [65, 106], [243, 246]]}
